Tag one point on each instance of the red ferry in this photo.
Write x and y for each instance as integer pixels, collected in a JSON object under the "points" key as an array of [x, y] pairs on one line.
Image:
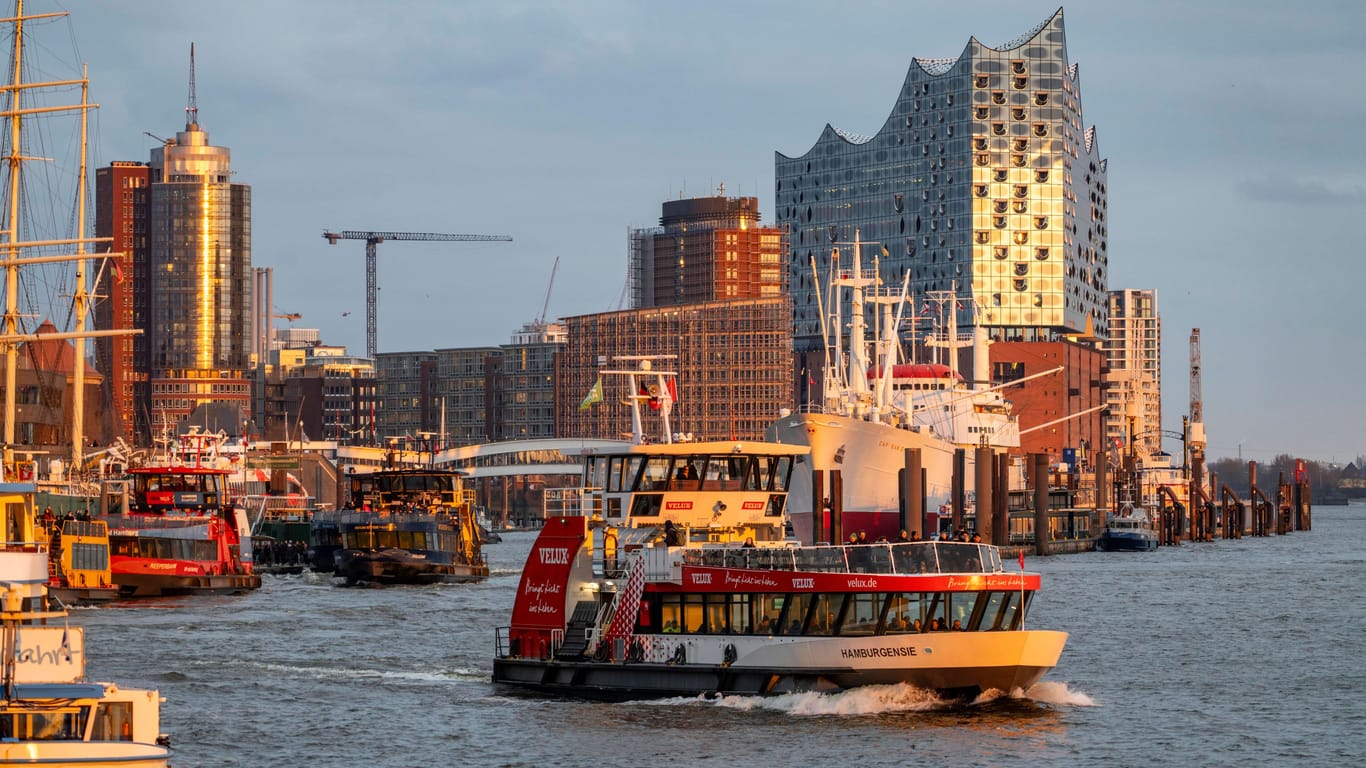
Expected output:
{"points": [[173, 530], [676, 578]]}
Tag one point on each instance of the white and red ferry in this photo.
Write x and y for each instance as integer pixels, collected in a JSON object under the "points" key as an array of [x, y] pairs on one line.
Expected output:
{"points": [[676, 578], [173, 529]]}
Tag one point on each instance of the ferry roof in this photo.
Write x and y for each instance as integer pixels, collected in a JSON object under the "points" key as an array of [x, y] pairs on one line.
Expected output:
{"points": [[178, 470]]}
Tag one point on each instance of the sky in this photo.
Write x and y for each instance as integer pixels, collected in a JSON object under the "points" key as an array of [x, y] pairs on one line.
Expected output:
{"points": [[1232, 131]]}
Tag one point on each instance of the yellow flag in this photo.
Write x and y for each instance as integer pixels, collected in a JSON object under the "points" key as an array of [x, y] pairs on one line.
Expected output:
{"points": [[594, 395]]}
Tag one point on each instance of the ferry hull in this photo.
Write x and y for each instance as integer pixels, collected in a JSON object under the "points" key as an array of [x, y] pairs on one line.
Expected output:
{"points": [[86, 754], [403, 567], [159, 585], [1109, 541], [955, 664]]}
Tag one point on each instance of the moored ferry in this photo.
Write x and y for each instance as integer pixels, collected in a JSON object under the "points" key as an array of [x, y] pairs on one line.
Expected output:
{"points": [[676, 578], [402, 526], [78, 560], [49, 713], [173, 530]]}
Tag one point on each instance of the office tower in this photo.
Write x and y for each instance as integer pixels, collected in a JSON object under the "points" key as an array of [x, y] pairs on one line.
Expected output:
{"points": [[121, 213], [982, 181], [706, 249], [199, 321], [1134, 382]]}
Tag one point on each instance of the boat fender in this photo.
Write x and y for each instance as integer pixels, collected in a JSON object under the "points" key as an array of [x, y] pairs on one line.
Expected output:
{"points": [[636, 652], [730, 655], [680, 655], [603, 652]]}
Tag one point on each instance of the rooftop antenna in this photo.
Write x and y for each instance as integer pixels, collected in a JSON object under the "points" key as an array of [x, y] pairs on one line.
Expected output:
{"points": [[191, 108]]}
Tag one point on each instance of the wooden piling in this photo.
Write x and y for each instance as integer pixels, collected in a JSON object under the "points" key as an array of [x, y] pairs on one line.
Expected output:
{"points": [[1042, 535]]}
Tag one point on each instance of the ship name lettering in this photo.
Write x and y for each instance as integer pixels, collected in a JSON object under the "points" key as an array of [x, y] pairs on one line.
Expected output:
{"points": [[803, 583], [555, 556], [872, 653]]}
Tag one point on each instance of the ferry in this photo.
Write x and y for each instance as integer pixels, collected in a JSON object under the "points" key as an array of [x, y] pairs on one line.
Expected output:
{"points": [[49, 713], [676, 578], [78, 560], [403, 526], [173, 530], [1128, 530]]}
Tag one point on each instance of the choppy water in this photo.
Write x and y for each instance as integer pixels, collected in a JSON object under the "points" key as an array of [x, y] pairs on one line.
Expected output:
{"points": [[1223, 654]]}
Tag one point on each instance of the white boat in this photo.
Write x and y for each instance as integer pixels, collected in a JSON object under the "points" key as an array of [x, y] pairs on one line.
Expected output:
{"points": [[49, 713], [674, 577], [872, 412], [1129, 529]]}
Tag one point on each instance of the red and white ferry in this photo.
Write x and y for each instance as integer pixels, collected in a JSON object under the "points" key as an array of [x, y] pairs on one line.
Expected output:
{"points": [[676, 578], [173, 528]]}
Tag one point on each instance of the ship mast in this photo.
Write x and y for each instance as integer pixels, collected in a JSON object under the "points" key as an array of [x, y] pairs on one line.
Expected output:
{"points": [[10, 335]]}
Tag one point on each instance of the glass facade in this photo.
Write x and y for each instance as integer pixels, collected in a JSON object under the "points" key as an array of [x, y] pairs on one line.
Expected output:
{"points": [[982, 181]]}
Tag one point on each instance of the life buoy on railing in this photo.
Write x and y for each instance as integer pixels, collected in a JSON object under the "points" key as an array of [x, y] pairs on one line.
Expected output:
{"points": [[680, 655], [729, 656]]}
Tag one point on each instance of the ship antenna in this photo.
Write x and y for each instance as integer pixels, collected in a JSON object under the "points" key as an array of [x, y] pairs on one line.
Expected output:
{"points": [[191, 108]]}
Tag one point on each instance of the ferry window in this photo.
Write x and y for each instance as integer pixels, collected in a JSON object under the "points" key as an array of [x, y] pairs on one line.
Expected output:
{"points": [[794, 614], [595, 471], [994, 610], [715, 614], [862, 612], [740, 615], [405, 539], [824, 614], [113, 722], [768, 610], [686, 474], [623, 474], [655, 475], [646, 504], [906, 612], [671, 613], [694, 617]]}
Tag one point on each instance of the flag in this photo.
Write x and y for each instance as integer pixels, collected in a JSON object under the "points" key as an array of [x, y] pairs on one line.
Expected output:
{"points": [[673, 390], [884, 252], [1022, 559], [118, 271], [594, 395]]}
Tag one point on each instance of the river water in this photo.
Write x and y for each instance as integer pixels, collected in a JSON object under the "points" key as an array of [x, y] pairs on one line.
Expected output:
{"points": [[1223, 654]]}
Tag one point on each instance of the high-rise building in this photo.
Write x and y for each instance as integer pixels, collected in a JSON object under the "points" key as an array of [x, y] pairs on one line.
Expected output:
{"points": [[706, 249], [1133, 386], [407, 394], [121, 213], [982, 181], [199, 284]]}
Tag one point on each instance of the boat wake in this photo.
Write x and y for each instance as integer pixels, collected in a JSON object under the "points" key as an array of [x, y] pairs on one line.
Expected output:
{"points": [[881, 700]]}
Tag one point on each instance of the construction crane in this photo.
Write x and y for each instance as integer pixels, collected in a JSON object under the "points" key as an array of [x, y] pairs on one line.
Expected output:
{"points": [[540, 321], [372, 240]]}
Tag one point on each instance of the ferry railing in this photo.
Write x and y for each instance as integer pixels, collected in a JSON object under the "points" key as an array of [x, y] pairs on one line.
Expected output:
{"points": [[890, 558]]}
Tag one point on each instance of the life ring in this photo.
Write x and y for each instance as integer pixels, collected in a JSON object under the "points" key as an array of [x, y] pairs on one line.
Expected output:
{"points": [[729, 655], [680, 655]]}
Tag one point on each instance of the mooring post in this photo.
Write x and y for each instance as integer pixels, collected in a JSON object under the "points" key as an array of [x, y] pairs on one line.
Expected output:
{"points": [[1042, 534]]}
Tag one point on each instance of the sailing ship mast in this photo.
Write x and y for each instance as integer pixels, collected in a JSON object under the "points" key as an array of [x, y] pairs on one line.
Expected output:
{"points": [[10, 335]]}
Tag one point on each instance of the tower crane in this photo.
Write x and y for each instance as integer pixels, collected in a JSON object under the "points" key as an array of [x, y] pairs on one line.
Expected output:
{"points": [[372, 241]]}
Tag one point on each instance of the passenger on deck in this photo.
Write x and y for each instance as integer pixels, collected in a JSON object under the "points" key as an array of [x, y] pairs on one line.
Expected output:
{"points": [[957, 625], [976, 537], [863, 537], [671, 537], [749, 543], [795, 628], [936, 625], [903, 536], [853, 538], [916, 626], [915, 535]]}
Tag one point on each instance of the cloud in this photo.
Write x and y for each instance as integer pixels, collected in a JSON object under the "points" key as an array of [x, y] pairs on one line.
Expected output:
{"points": [[1301, 192]]}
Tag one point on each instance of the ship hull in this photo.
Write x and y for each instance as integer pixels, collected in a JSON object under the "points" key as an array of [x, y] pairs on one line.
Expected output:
{"points": [[159, 585], [397, 566], [870, 456], [953, 664], [1110, 541]]}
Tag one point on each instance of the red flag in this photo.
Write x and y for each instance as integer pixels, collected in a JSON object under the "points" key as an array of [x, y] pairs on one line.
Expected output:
{"points": [[673, 390], [1022, 560], [118, 271]]}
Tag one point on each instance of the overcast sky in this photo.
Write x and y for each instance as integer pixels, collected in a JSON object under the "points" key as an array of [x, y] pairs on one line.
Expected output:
{"points": [[1232, 130]]}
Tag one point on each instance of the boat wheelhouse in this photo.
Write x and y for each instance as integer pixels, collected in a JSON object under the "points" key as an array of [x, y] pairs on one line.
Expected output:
{"points": [[78, 560], [402, 526], [173, 529], [677, 577]]}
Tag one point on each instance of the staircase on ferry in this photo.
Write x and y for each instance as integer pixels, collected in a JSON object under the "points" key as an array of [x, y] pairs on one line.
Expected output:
{"points": [[575, 643]]}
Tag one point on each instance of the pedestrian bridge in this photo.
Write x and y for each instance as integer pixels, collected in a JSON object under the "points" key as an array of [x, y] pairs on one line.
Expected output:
{"points": [[507, 458]]}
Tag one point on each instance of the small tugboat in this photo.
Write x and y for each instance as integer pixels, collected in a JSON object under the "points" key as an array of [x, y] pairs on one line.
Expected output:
{"points": [[173, 530], [403, 526], [49, 713], [677, 579], [1128, 530]]}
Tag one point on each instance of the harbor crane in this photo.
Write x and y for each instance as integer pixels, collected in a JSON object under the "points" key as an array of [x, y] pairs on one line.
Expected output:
{"points": [[372, 241]]}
